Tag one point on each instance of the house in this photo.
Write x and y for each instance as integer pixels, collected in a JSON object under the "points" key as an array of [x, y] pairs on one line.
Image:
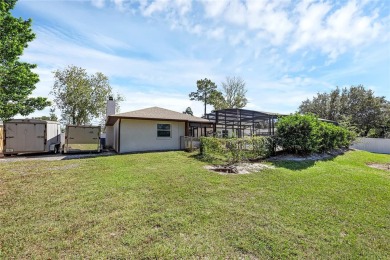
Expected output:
{"points": [[151, 129]]}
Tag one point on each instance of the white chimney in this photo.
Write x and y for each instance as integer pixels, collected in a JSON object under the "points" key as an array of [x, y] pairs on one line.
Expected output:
{"points": [[110, 106]]}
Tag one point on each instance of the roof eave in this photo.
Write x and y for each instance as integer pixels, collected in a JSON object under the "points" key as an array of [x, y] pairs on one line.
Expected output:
{"points": [[112, 119]]}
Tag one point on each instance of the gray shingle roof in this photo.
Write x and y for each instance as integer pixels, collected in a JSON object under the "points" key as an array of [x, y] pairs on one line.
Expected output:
{"points": [[156, 113]]}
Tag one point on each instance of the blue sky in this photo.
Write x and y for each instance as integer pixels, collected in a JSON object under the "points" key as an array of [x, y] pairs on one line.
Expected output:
{"points": [[154, 51]]}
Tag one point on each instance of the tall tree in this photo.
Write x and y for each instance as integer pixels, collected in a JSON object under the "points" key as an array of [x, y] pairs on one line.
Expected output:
{"points": [[233, 94], [188, 111], [356, 105], [80, 97], [17, 81], [207, 90]]}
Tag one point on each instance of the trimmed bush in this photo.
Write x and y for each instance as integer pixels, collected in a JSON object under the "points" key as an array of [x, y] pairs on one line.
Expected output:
{"points": [[306, 134], [237, 149]]}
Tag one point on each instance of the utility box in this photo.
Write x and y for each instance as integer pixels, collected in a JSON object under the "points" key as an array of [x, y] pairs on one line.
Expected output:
{"points": [[31, 136], [81, 139]]}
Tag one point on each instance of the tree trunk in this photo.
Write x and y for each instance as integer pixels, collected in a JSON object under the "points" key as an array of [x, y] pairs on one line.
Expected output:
{"points": [[73, 117]]}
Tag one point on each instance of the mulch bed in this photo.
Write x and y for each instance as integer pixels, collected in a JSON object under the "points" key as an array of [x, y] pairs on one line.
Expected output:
{"points": [[239, 168]]}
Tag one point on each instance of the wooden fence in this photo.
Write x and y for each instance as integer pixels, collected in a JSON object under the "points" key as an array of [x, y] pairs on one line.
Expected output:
{"points": [[375, 145]]}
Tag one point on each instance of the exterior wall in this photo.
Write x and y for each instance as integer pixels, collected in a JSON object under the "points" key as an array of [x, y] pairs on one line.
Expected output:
{"points": [[115, 136], [109, 136], [375, 145], [141, 135]]}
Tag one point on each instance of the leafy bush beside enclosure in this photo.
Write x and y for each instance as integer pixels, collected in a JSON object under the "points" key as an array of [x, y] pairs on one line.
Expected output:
{"points": [[237, 149], [306, 134]]}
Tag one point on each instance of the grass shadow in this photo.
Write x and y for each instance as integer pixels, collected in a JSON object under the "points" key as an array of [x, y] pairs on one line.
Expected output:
{"points": [[208, 159], [298, 165], [293, 165], [281, 160]]}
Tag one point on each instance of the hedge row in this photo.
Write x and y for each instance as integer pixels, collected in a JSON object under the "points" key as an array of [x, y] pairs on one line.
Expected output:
{"points": [[306, 134], [237, 149]]}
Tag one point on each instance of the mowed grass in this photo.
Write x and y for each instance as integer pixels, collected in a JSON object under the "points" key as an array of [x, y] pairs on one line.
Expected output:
{"points": [[165, 205]]}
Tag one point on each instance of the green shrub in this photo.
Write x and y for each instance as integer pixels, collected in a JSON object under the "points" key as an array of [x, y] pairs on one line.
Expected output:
{"points": [[236, 149], [306, 134]]}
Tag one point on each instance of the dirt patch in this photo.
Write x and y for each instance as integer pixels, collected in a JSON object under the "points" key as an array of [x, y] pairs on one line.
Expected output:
{"points": [[242, 168], [310, 157], [380, 166]]}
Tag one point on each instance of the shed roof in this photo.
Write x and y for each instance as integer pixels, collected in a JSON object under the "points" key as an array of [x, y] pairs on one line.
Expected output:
{"points": [[31, 121], [155, 113]]}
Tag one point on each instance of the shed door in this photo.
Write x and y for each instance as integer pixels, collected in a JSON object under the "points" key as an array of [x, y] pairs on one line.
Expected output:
{"points": [[26, 137], [83, 135]]}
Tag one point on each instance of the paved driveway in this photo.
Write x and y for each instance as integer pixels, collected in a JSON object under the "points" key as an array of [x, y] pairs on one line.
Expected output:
{"points": [[51, 157]]}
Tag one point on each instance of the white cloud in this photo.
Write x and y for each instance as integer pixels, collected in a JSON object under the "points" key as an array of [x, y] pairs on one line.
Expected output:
{"points": [[171, 72], [334, 32], [156, 6], [310, 23], [107, 41], [238, 38], [119, 4], [307, 25], [270, 18], [236, 12], [181, 7], [214, 8], [217, 33], [98, 3], [184, 6], [196, 29]]}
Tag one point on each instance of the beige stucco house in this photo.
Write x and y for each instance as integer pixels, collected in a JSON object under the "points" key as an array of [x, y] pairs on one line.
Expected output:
{"points": [[152, 129]]}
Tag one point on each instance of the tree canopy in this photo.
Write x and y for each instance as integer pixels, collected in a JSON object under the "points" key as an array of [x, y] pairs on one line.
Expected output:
{"points": [[52, 116], [232, 95], [17, 81], [206, 92], [81, 97], [188, 111], [354, 106]]}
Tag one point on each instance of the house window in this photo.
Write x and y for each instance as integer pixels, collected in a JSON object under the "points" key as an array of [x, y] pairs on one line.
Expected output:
{"points": [[163, 130]]}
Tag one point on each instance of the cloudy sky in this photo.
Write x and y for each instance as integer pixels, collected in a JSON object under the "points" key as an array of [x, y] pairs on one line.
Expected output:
{"points": [[154, 51]]}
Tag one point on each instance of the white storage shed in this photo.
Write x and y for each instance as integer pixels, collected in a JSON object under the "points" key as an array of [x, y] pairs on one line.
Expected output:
{"points": [[31, 136]]}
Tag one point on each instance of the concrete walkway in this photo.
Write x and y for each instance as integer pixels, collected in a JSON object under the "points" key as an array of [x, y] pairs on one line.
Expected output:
{"points": [[52, 157]]}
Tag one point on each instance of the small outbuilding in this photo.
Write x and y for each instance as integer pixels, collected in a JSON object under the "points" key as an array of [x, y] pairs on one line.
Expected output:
{"points": [[152, 129], [31, 136]]}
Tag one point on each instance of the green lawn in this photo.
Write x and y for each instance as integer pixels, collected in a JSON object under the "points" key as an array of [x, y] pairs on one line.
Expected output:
{"points": [[165, 205]]}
